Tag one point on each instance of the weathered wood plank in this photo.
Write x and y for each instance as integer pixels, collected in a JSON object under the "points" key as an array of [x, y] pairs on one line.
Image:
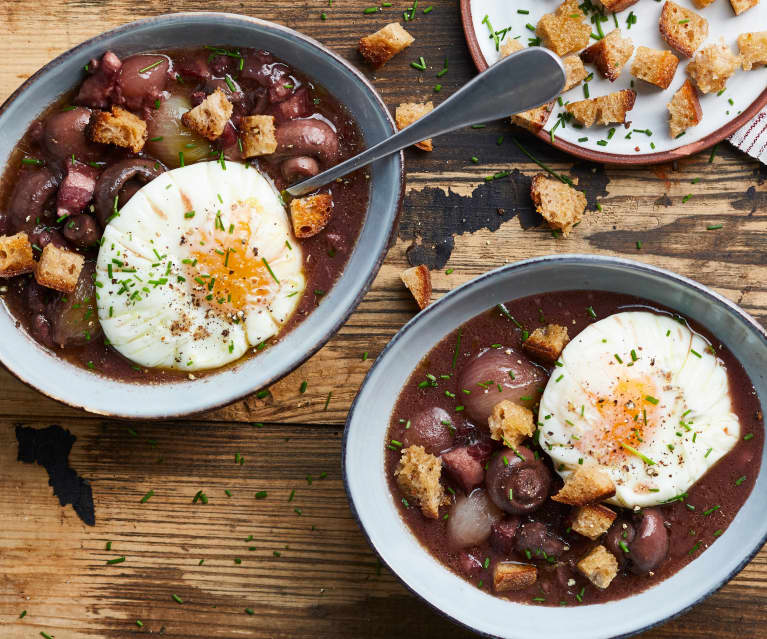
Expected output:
{"points": [[325, 583]]}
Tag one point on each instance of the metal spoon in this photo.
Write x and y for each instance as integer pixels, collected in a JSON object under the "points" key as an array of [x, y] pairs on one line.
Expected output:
{"points": [[524, 80]]}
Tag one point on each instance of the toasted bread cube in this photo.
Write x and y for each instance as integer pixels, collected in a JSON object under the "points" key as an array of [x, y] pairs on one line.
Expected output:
{"points": [[16, 256], [753, 49], [310, 214], [564, 30], [509, 46], [258, 135], [575, 72], [534, 119], [593, 520], [561, 205], [209, 118], [606, 109], [513, 576], [712, 66], [59, 269], [600, 567], [617, 5], [418, 474], [381, 46], [610, 54], [682, 28], [120, 127], [739, 6], [654, 66], [418, 281], [510, 423], [702, 4], [409, 112], [587, 485], [684, 109], [547, 343]]}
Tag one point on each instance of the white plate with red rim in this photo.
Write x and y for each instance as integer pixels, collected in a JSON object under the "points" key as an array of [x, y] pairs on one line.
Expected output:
{"points": [[745, 95]]}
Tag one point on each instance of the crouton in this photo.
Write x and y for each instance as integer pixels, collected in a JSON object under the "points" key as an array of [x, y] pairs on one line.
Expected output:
{"points": [[600, 567], [560, 204], [593, 520], [615, 6], [418, 474], [684, 109], [409, 112], [682, 28], [120, 127], [16, 256], [209, 118], [575, 72], [510, 423], [310, 214], [513, 576], [610, 54], [655, 66], [418, 281], [702, 4], [258, 135], [712, 66], [381, 46], [509, 46], [606, 109], [564, 30], [587, 485], [753, 49], [739, 6], [59, 269], [534, 119], [546, 344]]}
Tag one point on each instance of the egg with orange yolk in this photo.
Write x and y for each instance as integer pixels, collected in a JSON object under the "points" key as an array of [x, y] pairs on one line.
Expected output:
{"points": [[646, 398], [198, 267]]}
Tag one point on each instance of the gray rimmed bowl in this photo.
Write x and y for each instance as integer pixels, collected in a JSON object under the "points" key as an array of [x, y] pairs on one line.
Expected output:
{"points": [[375, 510], [60, 380]]}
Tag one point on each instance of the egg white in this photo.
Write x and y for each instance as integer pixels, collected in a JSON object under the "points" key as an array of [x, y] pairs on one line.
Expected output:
{"points": [[207, 222], [667, 403]]}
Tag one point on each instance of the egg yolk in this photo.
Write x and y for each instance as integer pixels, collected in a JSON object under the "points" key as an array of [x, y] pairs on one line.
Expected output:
{"points": [[627, 417], [227, 272]]}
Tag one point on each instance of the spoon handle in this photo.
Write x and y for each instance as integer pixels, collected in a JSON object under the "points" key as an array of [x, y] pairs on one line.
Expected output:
{"points": [[524, 80]]}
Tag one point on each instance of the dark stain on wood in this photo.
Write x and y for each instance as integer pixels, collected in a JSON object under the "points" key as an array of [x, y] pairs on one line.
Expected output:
{"points": [[50, 447]]}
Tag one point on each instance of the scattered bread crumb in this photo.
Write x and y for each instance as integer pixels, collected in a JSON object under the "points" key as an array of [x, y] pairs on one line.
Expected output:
{"points": [[381, 46], [209, 118], [600, 567], [655, 66], [684, 109], [753, 49], [561, 205], [586, 485], [59, 269], [534, 119], [739, 6], [16, 256], [310, 214], [510, 423], [615, 6], [409, 112], [712, 66], [258, 135], [513, 576], [593, 520], [418, 281], [574, 70], [118, 127], [509, 46], [546, 343], [418, 474]]}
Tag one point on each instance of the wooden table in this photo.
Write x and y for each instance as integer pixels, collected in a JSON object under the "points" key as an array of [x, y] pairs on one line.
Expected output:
{"points": [[307, 571]]}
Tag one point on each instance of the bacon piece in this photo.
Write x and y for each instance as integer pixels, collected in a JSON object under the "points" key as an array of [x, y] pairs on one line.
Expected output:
{"points": [[76, 191], [97, 89]]}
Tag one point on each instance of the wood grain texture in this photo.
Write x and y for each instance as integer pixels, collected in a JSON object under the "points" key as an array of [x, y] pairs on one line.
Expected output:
{"points": [[325, 582]]}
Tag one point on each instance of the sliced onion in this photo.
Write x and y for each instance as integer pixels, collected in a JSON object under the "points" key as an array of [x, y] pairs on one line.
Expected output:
{"points": [[174, 137], [471, 519]]}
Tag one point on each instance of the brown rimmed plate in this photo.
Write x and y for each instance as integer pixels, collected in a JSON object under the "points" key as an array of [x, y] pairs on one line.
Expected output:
{"points": [[723, 114]]}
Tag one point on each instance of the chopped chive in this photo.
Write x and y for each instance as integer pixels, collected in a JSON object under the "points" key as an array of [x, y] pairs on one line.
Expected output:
{"points": [[177, 599], [116, 560], [634, 451], [147, 497]]}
